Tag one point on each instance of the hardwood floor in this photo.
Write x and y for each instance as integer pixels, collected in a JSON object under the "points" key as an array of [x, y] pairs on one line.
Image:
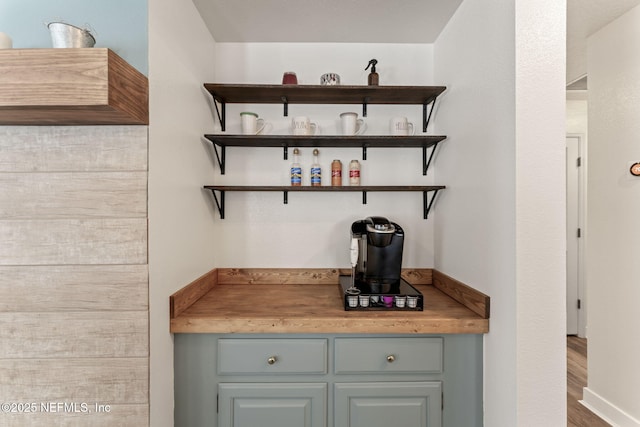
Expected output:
{"points": [[577, 414]]}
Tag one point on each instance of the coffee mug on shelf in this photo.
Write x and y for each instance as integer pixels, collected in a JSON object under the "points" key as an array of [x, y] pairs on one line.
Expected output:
{"points": [[351, 124], [302, 125], [401, 126], [251, 124]]}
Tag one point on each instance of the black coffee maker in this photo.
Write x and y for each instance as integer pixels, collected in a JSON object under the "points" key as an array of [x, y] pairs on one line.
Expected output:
{"points": [[379, 245]]}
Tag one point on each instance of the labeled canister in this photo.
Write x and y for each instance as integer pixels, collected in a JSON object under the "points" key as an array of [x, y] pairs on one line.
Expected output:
{"points": [[354, 172], [295, 172], [336, 173], [316, 170]]}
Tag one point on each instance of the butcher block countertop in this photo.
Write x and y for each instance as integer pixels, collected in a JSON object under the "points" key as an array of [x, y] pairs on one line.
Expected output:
{"points": [[306, 301]]}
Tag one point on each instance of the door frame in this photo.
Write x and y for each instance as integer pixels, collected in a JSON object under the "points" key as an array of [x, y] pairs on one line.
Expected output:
{"points": [[582, 242]]}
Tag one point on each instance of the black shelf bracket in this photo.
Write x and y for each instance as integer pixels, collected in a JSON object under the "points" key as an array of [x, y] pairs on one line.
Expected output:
{"points": [[219, 201], [285, 103], [428, 203], [364, 106], [285, 153], [426, 162], [220, 156], [426, 118], [364, 197], [364, 153], [285, 195], [221, 116]]}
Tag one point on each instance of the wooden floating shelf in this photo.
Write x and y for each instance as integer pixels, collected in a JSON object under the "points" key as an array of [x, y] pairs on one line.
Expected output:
{"points": [[344, 188], [88, 86], [360, 141], [363, 141], [364, 189], [320, 94]]}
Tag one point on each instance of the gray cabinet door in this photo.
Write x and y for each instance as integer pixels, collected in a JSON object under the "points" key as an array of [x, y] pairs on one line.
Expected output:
{"points": [[272, 404], [384, 404]]}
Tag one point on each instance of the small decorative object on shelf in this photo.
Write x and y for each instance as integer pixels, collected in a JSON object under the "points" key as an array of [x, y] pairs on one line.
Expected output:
{"points": [[5, 41], [330, 79], [373, 76], [289, 78], [354, 172], [296, 170], [316, 170], [336, 173]]}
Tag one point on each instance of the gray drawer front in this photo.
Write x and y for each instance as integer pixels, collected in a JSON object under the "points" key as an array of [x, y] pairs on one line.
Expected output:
{"points": [[388, 355], [272, 356]]}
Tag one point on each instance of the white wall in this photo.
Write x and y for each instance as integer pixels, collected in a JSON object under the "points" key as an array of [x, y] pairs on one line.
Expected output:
{"points": [[500, 227], [613, 245], [577, 110], [181, 237], [312, 230]]}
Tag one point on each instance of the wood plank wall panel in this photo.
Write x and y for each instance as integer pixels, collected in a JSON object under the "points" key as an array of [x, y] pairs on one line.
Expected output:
{"points": [[73, 194], [73, 241], [62, 288], [103, 380], [118, 415], [83, 334], [73, 148], [74, 272]]}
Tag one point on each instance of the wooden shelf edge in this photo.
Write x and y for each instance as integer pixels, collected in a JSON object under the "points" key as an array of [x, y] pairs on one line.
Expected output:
{"points": [[319, 94], [338, 141], [337, 325], [345, 188]]}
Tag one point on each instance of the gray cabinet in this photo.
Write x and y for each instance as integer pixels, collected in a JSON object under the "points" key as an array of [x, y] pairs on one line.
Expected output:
{"points": [[383, 404], [388, 355], [265, 403], [271, 356], [326, 380], [272, 404]]}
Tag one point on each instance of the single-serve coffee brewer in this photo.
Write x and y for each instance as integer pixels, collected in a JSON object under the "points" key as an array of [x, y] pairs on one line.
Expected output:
{"points": [[379, 244], [376, 260]]}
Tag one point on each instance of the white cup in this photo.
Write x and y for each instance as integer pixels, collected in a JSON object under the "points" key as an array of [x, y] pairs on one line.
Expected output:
{"points": [[401, 126], [301, 125], [351, 124], [251, 124]]}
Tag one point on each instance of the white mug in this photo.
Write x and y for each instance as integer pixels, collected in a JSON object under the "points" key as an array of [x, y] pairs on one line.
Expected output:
{"points": [[401, 126], [301, 125], [251, 124], [351, 124]]}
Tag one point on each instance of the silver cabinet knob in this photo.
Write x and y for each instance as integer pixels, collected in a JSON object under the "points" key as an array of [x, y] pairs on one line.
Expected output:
{"points": [[271, 360], [391, 358]]}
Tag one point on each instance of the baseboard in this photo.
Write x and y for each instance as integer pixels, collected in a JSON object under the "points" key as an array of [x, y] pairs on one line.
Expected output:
{"points": [[606, 410]]}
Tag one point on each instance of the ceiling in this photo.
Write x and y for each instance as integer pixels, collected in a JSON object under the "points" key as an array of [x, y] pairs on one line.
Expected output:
{"points": [[379, 21], [350, 21]]}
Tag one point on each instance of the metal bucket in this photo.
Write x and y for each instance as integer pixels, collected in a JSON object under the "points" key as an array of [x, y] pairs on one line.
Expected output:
{"points": [[65, 35]]}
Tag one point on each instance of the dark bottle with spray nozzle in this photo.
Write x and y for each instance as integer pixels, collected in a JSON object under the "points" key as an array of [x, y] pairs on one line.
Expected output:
{"points": [[373, 76]]}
